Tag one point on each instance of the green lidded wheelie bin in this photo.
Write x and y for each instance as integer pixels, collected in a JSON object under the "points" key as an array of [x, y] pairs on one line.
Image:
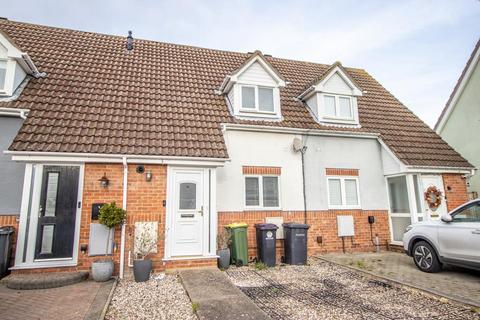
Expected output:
{"points": [[238, 233]]}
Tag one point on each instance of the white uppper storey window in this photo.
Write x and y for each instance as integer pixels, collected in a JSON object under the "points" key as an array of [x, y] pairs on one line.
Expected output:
{"points": [[338, 107], [343, 193], [257, 99], [262, 192]]}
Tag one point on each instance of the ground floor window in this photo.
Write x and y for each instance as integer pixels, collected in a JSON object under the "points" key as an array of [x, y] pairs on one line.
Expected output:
{"points": [[262, 192], [343, 192]]}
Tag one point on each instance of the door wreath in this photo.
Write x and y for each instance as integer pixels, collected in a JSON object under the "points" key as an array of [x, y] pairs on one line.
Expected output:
{"points": [[433, 197]]}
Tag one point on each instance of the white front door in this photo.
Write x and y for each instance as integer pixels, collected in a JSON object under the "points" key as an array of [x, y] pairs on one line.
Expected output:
{"points": [[437, 181], [188, 227]]}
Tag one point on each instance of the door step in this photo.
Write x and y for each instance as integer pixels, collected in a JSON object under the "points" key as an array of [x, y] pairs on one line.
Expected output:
{"points": [[43, 280]]}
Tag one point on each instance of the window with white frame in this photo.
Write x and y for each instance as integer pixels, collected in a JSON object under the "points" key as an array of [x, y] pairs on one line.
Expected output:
{"points": [[338, 107], [343, 192], [262, 192], [257, 99], [3, 73]]}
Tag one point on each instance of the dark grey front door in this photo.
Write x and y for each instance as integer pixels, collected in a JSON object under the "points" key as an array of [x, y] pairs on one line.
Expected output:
{"points": [[57, 212]]}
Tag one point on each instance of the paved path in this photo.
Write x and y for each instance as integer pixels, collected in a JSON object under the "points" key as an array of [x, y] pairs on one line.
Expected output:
{"points": [[217, 297], [454, 283], [84, 300]]}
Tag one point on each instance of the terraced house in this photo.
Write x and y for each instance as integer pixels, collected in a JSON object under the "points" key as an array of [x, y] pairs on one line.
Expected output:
{"points": [[193, 139]]}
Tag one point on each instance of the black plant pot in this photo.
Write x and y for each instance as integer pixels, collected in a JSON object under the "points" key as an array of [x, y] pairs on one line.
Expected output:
{"points": [[142, 269]]}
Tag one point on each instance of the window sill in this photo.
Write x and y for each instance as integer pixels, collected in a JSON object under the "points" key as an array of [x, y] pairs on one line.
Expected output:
{"points": [[254, 112], [262, 209], [344, 208], [338, 120]]}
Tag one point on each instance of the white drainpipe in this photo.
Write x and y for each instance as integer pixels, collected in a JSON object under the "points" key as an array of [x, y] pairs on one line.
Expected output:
{"points": [[124, 206]]}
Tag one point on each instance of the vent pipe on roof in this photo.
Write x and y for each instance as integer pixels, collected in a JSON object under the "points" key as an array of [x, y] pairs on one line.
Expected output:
{"points": [[129, 41]]}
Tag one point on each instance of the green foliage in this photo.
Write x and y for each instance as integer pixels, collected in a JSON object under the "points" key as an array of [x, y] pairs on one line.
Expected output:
{"points": [[110, 215], [260, 266], [195, 306], [224, 239], [361, 264]]}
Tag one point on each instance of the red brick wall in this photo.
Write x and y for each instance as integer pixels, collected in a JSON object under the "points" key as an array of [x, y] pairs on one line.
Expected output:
{"points": [[322, 223], [341, 172], [11, 220], [261, 170], [94, 193], [144, 203], [455, 187]]}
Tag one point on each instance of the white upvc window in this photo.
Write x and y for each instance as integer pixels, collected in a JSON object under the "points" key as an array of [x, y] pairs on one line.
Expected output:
{"points": [[338, 107], [262, 192], [343, 192], [3, 74], [257, 99]]}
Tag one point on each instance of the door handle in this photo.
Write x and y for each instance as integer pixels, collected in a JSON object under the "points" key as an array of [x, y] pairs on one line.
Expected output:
{"points": [[201, 211], [476, 231], [40, 211]]}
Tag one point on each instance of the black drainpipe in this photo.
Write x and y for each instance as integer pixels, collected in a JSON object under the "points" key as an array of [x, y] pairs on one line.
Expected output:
{"points": [[304, 149]]}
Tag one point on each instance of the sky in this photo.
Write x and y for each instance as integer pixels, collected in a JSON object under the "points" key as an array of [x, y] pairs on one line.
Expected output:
{"points": [[415, 49]]}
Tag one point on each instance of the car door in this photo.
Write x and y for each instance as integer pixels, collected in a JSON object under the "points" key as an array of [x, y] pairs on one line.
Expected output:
{"points": [[459, 240]]}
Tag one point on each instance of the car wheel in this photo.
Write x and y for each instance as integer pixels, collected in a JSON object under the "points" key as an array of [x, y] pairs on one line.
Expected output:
{"points": [[425, 257]]}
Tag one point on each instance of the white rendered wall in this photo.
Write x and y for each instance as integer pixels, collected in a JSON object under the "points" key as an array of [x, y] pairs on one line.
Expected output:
{"points": [[274, 149], [259, 149], [346, 153]]}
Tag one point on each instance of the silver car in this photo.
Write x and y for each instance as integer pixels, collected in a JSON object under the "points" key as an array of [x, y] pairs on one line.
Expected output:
{"points": [[453, 240]]}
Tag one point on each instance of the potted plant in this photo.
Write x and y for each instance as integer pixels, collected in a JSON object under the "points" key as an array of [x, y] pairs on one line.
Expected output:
{"points": [[223, 252], [110, 216], [145, 244]]}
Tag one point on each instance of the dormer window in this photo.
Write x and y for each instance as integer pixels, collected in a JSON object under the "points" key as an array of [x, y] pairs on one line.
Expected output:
{"points": [[333, 99], [253, 90], [258, 99], [14, 67]]}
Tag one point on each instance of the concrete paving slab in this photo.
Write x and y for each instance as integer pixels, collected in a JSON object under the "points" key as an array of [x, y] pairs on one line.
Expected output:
{"points": [[217, 297]]}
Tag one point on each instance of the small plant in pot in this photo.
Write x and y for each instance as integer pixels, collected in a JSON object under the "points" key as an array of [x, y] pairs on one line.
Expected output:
{"points": [[223, 252], [145, 244], [110, 216]]}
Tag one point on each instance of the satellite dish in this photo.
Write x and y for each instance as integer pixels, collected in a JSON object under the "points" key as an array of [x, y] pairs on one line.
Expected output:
{"points": [[297, 144]]}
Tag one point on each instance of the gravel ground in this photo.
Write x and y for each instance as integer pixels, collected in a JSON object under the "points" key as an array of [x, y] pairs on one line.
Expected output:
{"points": [[162, 297], [323, 290]]}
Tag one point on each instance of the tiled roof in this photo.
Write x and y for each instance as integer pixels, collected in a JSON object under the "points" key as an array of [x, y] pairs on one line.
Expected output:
{"points": [[160, 99]]}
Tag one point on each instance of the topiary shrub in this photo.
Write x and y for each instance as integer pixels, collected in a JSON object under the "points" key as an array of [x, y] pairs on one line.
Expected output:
{"points": [[111, 216]]}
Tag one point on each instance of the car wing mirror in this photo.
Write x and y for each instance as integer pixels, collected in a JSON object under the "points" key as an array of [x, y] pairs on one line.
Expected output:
{"points": [[447, 218]]}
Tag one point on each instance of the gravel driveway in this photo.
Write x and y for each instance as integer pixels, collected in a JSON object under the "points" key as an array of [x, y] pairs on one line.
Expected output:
{"points": [[162, 297], [324, 290]]}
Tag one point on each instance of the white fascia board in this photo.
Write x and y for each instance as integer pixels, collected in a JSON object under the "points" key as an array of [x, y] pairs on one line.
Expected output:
{"points": [[320, 86], [307, 93], [12, 112], [313, 132], [428, 169], [113, 158], [458, 93]]}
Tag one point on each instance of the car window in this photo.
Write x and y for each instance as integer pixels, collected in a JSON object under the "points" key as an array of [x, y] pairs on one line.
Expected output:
{"points": [[468, 214]]}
